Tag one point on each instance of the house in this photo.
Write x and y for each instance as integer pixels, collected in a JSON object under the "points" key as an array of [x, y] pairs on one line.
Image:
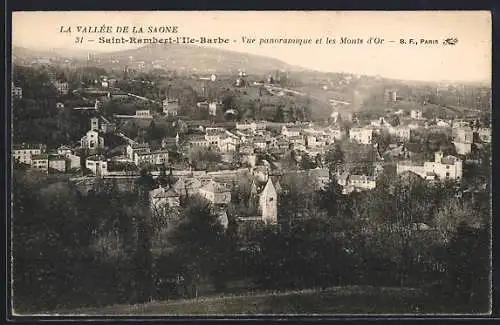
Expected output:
{"points": [[163, 198], [216, 193], [443, 124], [251, 126], [158, 157], [332, 134], [379, 122], [246, 149], [58, 163], [132, 149], [213, 135], [397, 151], [98, 165], [197, 141], [62, 87], [448, 167], [416, 114], [463, 139], [290, 132], [40, 162], [169, 142], [203, 105], [170, 107], [16, 92], [73, 161], [321, 176], [361, 182], [64, 150], [143, 113], [228, 143], [213, 107], [259, 142], [297, 141], [361, 135], [23, 152], [403, 133]]}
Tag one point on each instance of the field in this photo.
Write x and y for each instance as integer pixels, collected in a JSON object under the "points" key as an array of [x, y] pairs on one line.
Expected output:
{"points": [[338, 301]]}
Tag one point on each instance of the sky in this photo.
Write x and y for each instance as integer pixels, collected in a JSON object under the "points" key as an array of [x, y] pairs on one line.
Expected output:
{"points": [[468, 60]]}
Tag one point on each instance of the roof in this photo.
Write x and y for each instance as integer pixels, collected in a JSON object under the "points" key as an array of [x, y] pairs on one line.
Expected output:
{"points": [[57, 157], [40, 157], [162, 192], [215, 187], [24, 146], [449, 160], [96, 158], [320, 172], [187, 183], [362, 178], [140, 145], [64, 147], [293, 129], [196, 137]]}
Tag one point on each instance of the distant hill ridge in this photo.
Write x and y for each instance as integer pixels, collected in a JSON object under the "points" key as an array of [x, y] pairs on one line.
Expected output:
{"points": [[176, 56]]}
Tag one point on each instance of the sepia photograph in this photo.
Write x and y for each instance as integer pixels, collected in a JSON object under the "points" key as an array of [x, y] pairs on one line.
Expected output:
{"points": [[250, 163]]}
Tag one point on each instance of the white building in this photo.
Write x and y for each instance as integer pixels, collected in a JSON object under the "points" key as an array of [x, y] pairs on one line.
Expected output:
{"points": [[132, 149], [416, 114], [144, 113], [443, 168], [159, 157], [463, 139], [213, 108], [401, 132], [216, 193], [62, 87], [290, 132], [98, 165], [361, 135], [23, 152], [361, 182], [40, 162], [17, 92], [57, 163], [228, 143], [163, 198], [170, 107]]}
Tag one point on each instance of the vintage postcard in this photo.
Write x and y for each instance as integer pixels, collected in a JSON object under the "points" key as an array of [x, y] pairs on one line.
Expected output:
{"points": [[251, 163]]}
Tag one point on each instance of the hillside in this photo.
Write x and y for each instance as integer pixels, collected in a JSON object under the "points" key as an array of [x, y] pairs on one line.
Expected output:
{"points": [[196, 58], [26, 53], [340, 300]]}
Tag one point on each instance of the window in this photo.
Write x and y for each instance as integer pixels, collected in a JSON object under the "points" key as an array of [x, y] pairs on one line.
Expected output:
{"points": [[271, 199], [447, 175]]}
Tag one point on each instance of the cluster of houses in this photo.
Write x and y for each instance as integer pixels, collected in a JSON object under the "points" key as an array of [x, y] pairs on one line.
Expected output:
{"points": [[264, 192], [39, 158]]}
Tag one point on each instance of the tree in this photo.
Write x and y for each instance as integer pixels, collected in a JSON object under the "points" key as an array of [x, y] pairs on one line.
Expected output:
{"points": [[200, 239], [468, 267], [203, 159], [334, 158]]}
